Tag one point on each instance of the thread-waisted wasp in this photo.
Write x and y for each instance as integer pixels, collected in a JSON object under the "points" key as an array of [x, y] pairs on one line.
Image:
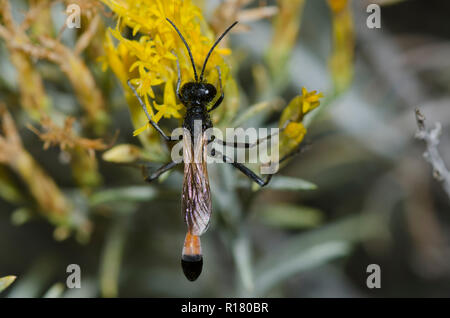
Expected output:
{"points": [[196, 196]]}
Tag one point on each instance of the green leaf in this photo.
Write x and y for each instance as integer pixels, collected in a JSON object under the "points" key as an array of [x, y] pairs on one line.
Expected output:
{"points": [[112, 257], [314, 248], [6, 281], [290, 183], [290, 216], [309, 258], [55, 291], [254, 110], [129, 194]]}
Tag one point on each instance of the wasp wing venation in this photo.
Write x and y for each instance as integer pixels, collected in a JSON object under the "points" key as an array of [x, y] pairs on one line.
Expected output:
{"points": [[196, 197]]}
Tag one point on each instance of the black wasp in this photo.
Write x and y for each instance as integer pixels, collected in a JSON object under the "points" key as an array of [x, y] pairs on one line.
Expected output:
{"points": [[196, 197]]}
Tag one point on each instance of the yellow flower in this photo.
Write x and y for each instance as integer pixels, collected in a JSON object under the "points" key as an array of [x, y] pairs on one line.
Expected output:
{"points": [[142, 129], [300, 106], [337, 5], [151, 60], [170, 108], [295, 131], [292, 117]]}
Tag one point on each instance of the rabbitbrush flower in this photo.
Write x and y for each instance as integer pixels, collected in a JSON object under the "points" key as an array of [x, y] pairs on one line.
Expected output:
{"points": [[292, 117], [149, 58]]}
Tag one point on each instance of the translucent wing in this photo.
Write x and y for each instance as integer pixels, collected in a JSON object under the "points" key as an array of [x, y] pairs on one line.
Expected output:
{"points": [[196, 198]]}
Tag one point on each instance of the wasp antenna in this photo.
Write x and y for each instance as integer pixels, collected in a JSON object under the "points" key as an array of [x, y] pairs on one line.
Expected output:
{"points": [[214, 46], [187, 47], [192, 259]]}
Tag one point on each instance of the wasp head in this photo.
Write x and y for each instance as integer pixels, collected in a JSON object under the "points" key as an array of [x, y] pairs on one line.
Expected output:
{"points": [[197, 94]]}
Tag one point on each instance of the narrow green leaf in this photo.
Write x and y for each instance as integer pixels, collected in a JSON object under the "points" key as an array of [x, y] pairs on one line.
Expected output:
{"points": [[289, 216], [6, 281], [112, 257], [314, 248], [253, 110], [290, 183], [129, 194], [311, 257], [55, 291]]}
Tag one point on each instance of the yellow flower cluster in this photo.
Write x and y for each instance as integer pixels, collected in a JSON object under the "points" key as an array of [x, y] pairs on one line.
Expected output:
{"points": [[149, 58], [292, 119]]}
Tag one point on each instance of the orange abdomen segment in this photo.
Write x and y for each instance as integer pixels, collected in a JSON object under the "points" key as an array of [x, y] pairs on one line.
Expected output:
{"points": [[192, 245], [191, 258]]}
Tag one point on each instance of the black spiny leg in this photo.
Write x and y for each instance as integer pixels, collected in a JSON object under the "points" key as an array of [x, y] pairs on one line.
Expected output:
{"points": [[155, 125], [249, 173], [249, 145], [156, 174], [222, 96], [253, 176], [246, 145]]}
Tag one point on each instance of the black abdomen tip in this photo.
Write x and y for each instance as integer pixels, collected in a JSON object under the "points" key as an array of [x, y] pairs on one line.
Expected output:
{"points": [[192, 266]]}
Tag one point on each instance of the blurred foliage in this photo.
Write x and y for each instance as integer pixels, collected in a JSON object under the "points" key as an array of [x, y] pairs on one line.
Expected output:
{"points": [[6, 281], [358, 193]]}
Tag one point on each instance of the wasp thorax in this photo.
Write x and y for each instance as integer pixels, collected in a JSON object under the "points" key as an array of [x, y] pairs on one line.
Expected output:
{"points": [[197, 94]]}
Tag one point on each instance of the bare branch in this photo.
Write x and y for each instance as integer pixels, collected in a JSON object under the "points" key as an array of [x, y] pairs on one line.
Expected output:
{"points": [[431, 138]]}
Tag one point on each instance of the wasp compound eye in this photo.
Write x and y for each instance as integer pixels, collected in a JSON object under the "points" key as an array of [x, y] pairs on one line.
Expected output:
{"points": [[192, 266]]}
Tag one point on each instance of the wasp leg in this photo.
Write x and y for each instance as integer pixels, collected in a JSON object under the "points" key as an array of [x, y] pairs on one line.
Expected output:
{"points": [[222, 94], [155, 125], [249, 173], [157, 173], [253, 176], [249, 145]]}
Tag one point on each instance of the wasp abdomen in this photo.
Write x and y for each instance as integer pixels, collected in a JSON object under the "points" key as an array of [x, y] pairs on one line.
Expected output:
{"points": [[191, 258]]}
